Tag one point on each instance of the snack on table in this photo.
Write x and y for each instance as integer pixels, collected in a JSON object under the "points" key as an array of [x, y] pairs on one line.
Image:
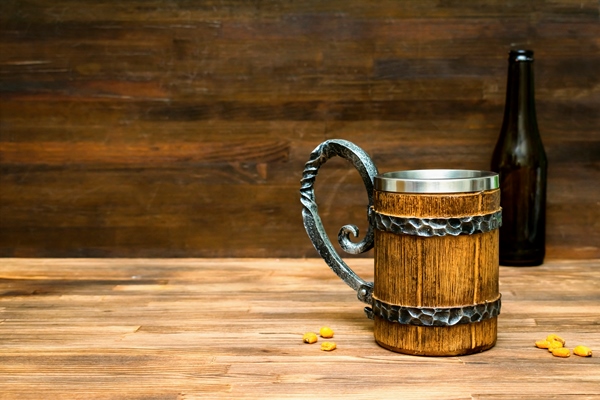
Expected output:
{"points": [[328, 346], [326, 332], [561, 352], [553, 337], [555, 344], [582, 351], [309, 337]]}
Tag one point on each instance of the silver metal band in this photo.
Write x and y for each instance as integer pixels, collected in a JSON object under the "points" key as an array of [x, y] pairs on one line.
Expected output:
{"points": [[429, 227], [435, 316], [437, 181]]}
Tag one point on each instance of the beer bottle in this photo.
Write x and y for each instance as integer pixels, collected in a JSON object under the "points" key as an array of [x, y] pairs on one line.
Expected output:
{"points": [[521, 162]]}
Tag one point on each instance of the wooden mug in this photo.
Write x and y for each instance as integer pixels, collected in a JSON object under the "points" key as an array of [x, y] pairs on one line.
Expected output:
{"points": [[435, 235]]}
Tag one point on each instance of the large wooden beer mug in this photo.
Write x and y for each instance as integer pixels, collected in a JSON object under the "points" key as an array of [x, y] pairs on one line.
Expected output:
{"points": [[435, 235]]}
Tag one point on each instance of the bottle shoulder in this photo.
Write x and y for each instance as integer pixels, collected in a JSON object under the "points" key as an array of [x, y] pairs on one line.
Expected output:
{"points": [[519, 150]]}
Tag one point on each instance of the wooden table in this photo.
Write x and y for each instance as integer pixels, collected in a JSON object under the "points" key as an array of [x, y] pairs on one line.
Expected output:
{"points": [[232, 328]]}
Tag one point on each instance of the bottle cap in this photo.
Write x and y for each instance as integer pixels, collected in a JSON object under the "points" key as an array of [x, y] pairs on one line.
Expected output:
{"points": [[520, 55]]}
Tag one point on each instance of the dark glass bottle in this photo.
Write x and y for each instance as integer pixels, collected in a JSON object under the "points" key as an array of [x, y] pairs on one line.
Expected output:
{"points": [[521, 162]]}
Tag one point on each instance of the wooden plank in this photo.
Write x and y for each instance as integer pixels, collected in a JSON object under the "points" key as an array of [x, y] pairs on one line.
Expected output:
{"points": [[191, 212], [232, 328], [122, 124], [117, 154]]}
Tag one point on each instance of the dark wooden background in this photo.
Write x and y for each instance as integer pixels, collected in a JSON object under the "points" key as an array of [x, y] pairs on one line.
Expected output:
{"points": [[168, 128]]}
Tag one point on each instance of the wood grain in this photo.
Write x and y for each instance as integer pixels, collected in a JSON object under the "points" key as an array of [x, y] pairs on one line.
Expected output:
{"points": [[161, 128], [439, 271], [232, 328]]}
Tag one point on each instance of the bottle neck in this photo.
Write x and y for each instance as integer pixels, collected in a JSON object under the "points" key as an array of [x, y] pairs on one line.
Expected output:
{"points": [[519, 111]]}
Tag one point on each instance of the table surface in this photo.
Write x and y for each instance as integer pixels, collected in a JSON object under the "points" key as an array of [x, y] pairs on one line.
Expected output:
{"points": [[232, 328]]}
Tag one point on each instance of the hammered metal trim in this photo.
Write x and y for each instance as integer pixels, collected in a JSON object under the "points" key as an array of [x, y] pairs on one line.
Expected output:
{"points": [[435, 316], [428, 227]]}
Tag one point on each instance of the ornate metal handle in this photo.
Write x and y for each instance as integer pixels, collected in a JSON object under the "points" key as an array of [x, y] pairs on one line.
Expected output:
{"points": [[312, 221]]}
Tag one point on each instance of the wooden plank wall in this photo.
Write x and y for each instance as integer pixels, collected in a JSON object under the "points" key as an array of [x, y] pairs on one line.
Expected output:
{"points": [[164, 128]]}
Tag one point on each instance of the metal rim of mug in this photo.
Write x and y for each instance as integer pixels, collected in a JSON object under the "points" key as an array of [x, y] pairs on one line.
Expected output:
{"points": [[437, 181]]}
